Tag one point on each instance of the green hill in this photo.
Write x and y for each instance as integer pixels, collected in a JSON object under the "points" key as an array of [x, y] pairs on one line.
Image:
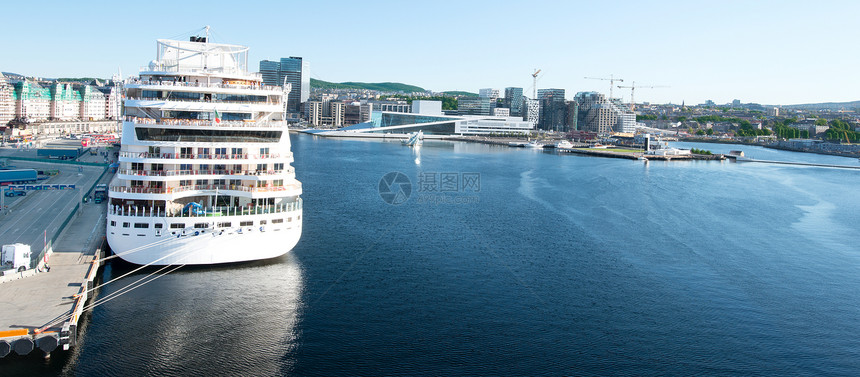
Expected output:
{"points": [[380, 86], [458, 93]]}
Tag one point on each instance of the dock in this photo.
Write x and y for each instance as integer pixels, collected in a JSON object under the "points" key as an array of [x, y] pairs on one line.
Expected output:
{"points": [[42, 305], [747, 159]]}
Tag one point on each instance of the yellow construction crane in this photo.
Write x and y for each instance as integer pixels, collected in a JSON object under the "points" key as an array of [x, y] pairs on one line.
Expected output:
{"points": [[534, 83], [611, 80], [633, 88]]}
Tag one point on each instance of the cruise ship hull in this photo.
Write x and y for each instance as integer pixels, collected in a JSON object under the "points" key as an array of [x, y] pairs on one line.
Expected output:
{"points": [[190, 246]]}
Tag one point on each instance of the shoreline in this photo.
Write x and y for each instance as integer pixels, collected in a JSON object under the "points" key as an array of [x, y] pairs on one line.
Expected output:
{"points": [[772, 146]]}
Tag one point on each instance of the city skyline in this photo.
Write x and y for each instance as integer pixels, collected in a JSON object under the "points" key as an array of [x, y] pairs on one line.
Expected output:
{"points": [[775, 53]]}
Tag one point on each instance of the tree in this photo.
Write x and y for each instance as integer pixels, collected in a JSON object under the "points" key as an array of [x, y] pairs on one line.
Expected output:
{"points": [[710, 131]]}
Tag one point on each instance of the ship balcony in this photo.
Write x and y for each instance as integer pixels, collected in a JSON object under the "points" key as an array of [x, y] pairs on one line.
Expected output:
{"points": [[163, 193], [203, 105], [204, 87], [207, 212], [199, 158], [235, 174], [209, 123]]}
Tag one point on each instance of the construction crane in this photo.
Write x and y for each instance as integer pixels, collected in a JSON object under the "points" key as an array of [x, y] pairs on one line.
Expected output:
{"points": [[534, 83], [633, 89], [611, 80]]}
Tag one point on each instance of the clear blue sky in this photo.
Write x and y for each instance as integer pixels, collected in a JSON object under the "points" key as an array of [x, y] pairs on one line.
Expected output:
{"points": [[771, 52]]}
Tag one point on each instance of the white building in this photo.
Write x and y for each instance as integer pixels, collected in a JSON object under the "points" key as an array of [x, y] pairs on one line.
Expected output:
{"points": [[427, 107], [532, 110]]}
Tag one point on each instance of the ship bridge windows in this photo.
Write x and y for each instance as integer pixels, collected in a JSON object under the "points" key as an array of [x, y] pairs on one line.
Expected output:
{"points": [[205, 115], [239, 98], [207, 135]]}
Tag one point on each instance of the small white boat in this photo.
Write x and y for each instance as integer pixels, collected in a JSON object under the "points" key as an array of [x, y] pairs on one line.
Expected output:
{"points": [[564, 144], [534, 144], [415, 139]]}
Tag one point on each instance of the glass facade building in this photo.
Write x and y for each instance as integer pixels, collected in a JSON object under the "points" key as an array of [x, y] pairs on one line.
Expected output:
{"points": [[514, 101], [553, 115], [297, 73]]}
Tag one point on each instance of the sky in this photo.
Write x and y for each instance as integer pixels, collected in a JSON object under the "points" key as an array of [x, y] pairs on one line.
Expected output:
{"points": [[768, 52]]}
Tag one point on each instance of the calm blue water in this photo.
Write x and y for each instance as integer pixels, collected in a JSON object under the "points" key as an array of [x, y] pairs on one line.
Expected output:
{"points": [[559, 265]]}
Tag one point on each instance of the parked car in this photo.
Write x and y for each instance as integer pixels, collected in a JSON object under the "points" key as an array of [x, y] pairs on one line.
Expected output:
{"points": [[12, 193]]}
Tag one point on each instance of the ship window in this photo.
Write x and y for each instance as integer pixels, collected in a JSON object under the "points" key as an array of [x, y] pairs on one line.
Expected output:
{"points": [[246, 223], [177, 226], [289, 219], [224, 225], [159, 226], [264, 151], [277, 221], [126, 225], [141, 225], [201, 225], [262, 222], [113, 223]]}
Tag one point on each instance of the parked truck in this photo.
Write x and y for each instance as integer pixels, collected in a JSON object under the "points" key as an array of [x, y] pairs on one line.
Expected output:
{"points": [[16, 176], [100, 193], [59, 153], [14, 257]]}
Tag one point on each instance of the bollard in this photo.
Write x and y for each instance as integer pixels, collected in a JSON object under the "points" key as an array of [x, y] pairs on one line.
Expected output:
{"points": [[22, 346], [47, 343], [5, 348]]}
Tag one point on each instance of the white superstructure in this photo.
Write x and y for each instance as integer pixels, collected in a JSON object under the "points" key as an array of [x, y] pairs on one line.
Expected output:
{"points": [[204, 170]]}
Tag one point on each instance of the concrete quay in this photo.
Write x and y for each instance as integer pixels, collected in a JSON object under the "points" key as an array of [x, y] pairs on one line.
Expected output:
{"points": [[39, 310]]}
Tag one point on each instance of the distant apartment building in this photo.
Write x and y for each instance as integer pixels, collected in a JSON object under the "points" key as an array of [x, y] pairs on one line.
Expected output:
{"points": [[572, 115], [32, 101], [296, 72], [773, 111], [597, 114], [514, 101], [531, 110], [334, 113], [492, 94], [553, 110], [7, 103]]}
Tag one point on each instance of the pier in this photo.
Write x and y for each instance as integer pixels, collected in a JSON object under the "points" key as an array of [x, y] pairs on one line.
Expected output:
{"points": [[42, 305], [746, 159]]}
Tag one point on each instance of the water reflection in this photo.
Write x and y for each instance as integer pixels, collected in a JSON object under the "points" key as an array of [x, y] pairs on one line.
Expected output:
{"points": [[222, 320]]}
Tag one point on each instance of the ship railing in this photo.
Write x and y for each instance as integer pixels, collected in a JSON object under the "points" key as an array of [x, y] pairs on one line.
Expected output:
{"points": [[173, 173], [225, 187], [186, 84], [250, 209], [203, 100], [197, 156], [208, 123]]}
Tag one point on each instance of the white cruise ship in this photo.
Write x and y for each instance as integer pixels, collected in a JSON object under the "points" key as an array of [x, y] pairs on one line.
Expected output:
{"points": [[204, 170]]}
